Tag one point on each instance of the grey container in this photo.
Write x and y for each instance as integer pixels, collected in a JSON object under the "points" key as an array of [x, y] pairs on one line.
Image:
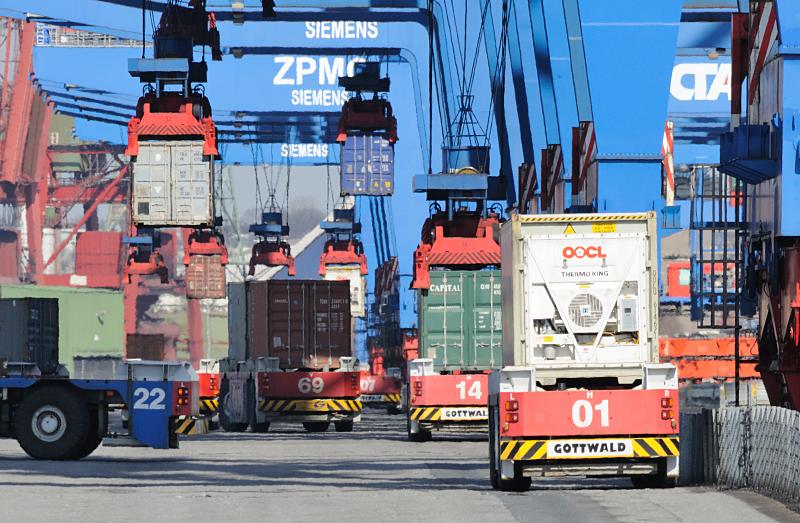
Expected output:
{"points": [[95, 367], [173, 185], [367, 166], [29, 330]]}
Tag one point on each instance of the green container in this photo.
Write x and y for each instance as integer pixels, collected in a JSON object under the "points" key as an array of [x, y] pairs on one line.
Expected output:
{"points": [[460, 320], [90, 321]]}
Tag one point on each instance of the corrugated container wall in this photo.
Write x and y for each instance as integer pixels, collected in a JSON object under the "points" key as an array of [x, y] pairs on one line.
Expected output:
{"points": [[98, 253], [172, 185], [237, 321], [460, 320], [9, 257], [29, 329], [357, 282], [205, 277], [367, 166], [304, 323], [90, 323], [145, 347]]}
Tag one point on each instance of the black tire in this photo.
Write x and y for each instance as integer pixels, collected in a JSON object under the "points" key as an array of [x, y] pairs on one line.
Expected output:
{"points": [[520, 483], [393, 409], [95, 436], [417, 437], [53, 423], [659, 481], [343, 426], [224, 421], [316, 426], [252, 409]]}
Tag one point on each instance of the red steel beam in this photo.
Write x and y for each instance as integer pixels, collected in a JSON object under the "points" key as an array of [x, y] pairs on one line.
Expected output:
{"points": [[110, 188], [22, 93], [194, 322]]}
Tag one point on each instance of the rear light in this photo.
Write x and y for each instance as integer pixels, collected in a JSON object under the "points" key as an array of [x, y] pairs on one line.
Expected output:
{"points": [[212, 383], [666, 403], [512, 417], [418, 388], [512, 405], [183, 396], [354, 381], [666, 414], [263, 384]]}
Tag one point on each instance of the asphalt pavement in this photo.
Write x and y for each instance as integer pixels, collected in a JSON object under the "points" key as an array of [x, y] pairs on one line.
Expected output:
{"points": [[372, 474]]}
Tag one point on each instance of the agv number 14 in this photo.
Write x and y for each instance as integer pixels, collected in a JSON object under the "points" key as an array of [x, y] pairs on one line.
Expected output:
{"points": [[474, 390]]}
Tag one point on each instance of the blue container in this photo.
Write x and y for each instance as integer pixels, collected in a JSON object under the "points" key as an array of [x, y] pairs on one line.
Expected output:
{"points": [[367, 166]]}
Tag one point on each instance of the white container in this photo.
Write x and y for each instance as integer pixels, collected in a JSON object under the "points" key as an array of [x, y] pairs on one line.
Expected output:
{"points": [[173, 185], [358, 286], [580, 292]]}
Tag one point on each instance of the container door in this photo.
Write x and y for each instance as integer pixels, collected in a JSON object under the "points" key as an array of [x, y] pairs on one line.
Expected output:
{"points": [[381, 167], [288, 322], [331, 328], [13, 330], [485, 323], [442, 319], [43, 333], [192, 201], [152, 185], [258, 321]]}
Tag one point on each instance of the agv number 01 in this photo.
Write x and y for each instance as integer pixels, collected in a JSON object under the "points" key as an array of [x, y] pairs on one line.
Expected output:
{"points": [[583, 413]]}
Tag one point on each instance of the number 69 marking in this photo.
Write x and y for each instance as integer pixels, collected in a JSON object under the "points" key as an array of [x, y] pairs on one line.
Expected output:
{"points": [[306, 385], [149, 399]]}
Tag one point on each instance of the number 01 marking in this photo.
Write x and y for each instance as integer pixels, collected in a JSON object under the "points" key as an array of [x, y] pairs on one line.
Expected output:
{"points": [[149, 399], [583, 413]]}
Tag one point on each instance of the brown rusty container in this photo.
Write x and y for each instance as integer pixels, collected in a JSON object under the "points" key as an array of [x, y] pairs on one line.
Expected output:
{"points": [[205, 277], [145, 347], [304, 323]]}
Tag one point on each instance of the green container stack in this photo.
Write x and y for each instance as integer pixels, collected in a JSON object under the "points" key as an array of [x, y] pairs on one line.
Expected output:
{"points": [[90, 321], [460, 320]]}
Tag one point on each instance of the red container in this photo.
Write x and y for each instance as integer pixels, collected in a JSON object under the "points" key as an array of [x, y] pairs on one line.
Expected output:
{"points": [[679, 279], [305, 323], [145, 347], [9, 256], [98, 253], [205, 277]]}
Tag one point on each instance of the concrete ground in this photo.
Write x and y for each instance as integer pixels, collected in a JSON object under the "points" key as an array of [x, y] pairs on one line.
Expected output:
{"points": [[372, 474]]}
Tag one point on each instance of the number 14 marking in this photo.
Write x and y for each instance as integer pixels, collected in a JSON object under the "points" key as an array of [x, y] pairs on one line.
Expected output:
{"points": [[474, 390]]}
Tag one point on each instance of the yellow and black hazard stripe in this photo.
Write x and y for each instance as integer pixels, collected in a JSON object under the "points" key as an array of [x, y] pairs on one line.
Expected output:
{"points": [[393, 398], [189, 425], [656, 447], [536, 449], [539, 218], [344, 405], [304, 405], [426, 413], [210, 406]]}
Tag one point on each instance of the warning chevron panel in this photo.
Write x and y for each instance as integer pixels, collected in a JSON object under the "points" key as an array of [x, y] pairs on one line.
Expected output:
{"points": [[449, 414], [315, 405], [531, 449]]}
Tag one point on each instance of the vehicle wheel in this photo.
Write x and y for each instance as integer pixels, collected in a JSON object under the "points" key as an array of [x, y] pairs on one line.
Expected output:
{"points": [[520, 483], [94, 438], [52, 423], [653, 481], [224, 420], [418, 437], [393, 409], [316, 426], [252, 408], [343, 426], [213, 425]]}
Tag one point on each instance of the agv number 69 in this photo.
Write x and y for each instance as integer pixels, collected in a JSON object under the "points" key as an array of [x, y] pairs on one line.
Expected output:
{"points": [[306, 385]]}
